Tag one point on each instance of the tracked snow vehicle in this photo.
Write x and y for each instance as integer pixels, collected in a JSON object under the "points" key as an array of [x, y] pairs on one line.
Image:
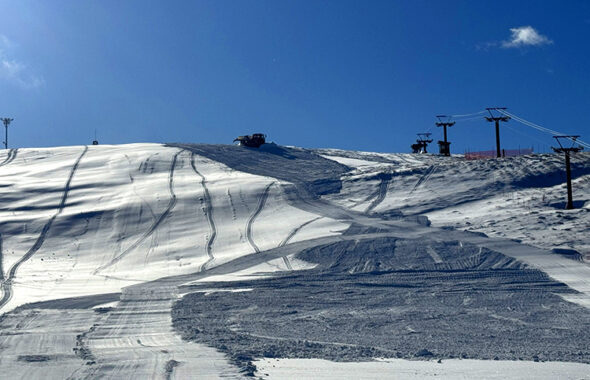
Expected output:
{"points": [[253, 141]]}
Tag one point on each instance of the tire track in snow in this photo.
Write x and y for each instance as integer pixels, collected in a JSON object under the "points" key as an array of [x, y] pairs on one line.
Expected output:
{"points": [[154, 225], [261, 203], [293, 232], [380, 194], [208, 213], [7, 283], [9, 157]]}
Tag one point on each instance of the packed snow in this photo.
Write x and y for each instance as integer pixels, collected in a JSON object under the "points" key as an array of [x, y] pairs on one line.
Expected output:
{"points": [[103, 249], [453, 369]]}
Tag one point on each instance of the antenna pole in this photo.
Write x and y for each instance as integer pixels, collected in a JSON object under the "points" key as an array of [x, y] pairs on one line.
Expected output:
{"points": [[6, 122], [497, 120]]}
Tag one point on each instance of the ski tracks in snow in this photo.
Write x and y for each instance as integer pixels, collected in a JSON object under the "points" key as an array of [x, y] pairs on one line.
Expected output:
{"points": [[154, 225], [208, 213], [7, 282], [9, 157], [261, 203], [143, 201], [291, 235], [424, 177], [380, 194]]}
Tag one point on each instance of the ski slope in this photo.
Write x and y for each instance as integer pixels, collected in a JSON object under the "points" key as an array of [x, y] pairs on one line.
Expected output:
{"points": [[91, 220], [98, 243], [519, 198]]}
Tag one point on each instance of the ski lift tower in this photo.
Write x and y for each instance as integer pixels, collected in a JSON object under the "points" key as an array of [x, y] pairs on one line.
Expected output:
{"points": [[444, 146], [566, 151], [423, 140], [497, 120], [95, 141]]}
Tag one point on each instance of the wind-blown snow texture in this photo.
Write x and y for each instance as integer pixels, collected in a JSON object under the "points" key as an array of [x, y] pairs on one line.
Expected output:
{"points": [[109, 254]]}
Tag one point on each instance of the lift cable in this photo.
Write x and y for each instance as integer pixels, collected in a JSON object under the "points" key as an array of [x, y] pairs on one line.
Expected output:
{"points": [[540, 128], [470, 118], [529, 123], [468, 114], [520, 132]]}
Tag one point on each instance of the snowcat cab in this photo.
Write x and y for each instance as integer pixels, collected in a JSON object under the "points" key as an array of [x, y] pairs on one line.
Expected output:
{"points": [[253, 141]]}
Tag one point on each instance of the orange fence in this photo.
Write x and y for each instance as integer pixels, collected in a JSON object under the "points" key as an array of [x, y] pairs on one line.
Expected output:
{"points": [[485, 154]]}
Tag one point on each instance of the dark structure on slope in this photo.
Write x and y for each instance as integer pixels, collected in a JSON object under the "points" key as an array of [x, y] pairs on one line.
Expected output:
{"points": [[421, 143], [497, 120], [445, 145], [252, 141], [6, 121], [568, 171]]}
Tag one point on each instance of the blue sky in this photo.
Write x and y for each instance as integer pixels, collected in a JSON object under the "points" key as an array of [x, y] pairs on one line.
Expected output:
{"points": [[364, 75]]}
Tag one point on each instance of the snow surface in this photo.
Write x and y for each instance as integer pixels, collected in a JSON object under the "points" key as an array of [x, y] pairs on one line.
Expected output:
{"points": [[407, 369], [519, 198], [97, 243], [129, 219]]}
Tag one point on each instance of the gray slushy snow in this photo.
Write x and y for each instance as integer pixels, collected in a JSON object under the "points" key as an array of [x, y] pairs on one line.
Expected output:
{"points": [[183, 260]]}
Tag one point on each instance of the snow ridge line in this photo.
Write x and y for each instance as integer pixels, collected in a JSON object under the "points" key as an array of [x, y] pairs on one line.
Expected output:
{"points": [[154, 225], [293, 232], [208, 214], [261, 202], [380, 195], [9, 157], [7, 283]]}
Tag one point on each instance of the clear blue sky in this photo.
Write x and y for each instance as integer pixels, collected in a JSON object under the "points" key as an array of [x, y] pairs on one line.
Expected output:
{"points": [[363, 75]]}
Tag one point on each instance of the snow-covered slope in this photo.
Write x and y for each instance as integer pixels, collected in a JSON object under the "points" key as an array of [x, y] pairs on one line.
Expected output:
{"points": [[108, 238], [520, 197], [89, 220]]}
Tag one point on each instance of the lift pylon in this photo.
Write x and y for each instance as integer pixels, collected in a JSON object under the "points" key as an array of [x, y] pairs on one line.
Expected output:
{"points": [[568, 172]]}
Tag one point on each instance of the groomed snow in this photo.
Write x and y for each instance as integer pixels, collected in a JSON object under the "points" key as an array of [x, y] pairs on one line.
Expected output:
{"points": [[133, 213], [99, 220], [517, 198], [452, 369]]}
